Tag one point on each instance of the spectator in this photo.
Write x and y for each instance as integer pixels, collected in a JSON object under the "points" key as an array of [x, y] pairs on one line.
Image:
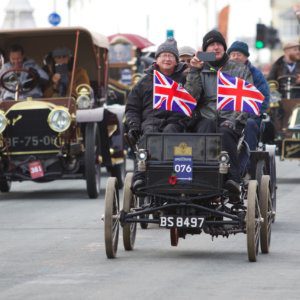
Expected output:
{"points": [[186, 53], [286, 70], [202, 85], [29, 82], [239, 52]]}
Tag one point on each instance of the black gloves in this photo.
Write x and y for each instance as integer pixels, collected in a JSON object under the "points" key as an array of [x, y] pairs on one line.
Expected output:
{"points": [[134, 134]]}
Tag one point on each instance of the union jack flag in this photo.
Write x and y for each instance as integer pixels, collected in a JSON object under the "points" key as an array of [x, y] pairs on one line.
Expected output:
{"points": [[169, 95], [238, 95]]}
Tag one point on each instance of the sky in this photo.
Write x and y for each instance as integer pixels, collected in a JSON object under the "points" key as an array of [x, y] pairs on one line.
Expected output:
{"points": [[153, 18]]}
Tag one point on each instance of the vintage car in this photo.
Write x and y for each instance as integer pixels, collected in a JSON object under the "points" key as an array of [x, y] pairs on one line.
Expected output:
{"points": [[70, 137], [185, 194], [285, 115], [126, 64]]}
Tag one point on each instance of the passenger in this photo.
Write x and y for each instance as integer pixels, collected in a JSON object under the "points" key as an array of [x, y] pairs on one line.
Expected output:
{"points": [[288, 65], [239, 52], [202, 85], [60, 74], [186, 53], [32, 83], [141, 118]]}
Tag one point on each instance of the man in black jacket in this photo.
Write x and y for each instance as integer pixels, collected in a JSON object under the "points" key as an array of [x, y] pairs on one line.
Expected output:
{"points": [[141, 118]]}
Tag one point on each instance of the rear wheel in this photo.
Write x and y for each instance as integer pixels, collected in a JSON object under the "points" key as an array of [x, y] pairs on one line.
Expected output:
{"points": [[92, 160], [5, 185], [273, 185], [252, 221], [129, 229], [265, 206], [111, 218], [174, 236]]}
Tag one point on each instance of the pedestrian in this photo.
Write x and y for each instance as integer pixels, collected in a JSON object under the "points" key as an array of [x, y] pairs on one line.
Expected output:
{"points": [[202, 85]]}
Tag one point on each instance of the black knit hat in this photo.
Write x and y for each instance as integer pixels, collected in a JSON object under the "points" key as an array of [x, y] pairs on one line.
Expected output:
{"points": [[239, 47], [170, 45], [212, 37]]}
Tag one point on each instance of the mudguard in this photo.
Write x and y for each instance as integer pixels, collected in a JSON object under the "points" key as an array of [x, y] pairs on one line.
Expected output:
{"points": [[90, 115]]}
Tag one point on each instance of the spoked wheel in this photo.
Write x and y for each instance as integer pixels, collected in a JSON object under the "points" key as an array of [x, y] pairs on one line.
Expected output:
{"points": [[111, 217], [92, 160], [252, 221], [174, 236], [129, 202], [265, 206], [5, 185], [260, 170], [273, 186]]}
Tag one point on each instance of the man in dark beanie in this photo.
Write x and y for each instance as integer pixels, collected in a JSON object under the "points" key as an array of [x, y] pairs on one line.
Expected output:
{"points": [[202, 85], [239, 52], [140, 116]]}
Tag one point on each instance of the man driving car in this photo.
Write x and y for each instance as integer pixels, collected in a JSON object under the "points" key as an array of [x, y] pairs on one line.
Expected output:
{"points": [[22, 75]]}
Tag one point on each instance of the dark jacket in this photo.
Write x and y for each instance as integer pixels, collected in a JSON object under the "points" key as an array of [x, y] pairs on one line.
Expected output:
{"points": [[279, 69], [260, 82], [139, 110], [202, 85]]}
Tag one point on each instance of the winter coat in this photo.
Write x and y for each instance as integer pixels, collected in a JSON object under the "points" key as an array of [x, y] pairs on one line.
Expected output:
{"points": [[280, 68], [36, 92], [80, 77], [202, 85], [139, 110], [260, 82]]}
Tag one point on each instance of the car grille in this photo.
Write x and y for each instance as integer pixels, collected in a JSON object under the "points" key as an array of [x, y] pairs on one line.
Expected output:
{"points": [[28, 132]]}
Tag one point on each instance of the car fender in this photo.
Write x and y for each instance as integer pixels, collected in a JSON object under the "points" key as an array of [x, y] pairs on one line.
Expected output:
{"points": [[90, 115]]}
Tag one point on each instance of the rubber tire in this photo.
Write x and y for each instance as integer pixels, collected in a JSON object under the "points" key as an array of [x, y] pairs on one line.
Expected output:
{"points": [[273, 179], [265, 205], [92, 165], [129, 229], [252, 222], [260, 170], [111, 221], [5, 185]]}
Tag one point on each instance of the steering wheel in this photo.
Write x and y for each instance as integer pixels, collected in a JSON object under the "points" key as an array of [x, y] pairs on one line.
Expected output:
{"points": [[18, 80]]}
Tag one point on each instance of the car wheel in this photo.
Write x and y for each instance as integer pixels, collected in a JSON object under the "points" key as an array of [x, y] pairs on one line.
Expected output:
{"points": [[5, 185], [92, 160]]}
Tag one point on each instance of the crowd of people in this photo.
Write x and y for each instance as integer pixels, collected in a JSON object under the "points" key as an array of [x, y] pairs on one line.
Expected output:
{"points": [[199, 78]]}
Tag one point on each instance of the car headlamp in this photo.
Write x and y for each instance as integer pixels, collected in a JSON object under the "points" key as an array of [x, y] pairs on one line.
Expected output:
{"points": [[84, 99], [84, 102], [3, 121], [142, 155], [224, 157], [59, 119]]}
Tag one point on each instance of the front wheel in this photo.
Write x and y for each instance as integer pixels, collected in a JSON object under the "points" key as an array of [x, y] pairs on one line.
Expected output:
{"points": [[265, 205], [129, 202], [92, 160], [252, 221], [111, 218]]}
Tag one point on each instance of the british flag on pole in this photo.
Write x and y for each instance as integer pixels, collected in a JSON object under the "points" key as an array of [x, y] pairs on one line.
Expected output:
{"points": [[169, 95], [237, 94]]}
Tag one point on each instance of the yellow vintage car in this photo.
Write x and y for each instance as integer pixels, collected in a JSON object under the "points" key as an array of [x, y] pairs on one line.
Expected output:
{"points": [[59, 137]]}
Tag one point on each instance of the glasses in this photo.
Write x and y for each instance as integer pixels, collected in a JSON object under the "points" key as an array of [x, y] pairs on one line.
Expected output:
{"points": [[167, 56]]}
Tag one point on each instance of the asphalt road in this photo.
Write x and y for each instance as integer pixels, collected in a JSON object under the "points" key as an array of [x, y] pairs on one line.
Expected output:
{"points": [[52, 247]]}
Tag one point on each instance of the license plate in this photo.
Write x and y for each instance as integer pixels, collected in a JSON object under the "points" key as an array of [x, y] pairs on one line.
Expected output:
{"points": [[181, 222], [36, 169]]}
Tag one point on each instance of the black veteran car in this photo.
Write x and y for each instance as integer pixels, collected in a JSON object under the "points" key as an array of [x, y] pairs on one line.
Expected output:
{"points": [[58, 136]]}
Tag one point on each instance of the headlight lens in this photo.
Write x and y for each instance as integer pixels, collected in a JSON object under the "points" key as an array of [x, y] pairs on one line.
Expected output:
{"points": [[84, 102], [59, 120], [142, 155], [224, 157], [3, 121]]}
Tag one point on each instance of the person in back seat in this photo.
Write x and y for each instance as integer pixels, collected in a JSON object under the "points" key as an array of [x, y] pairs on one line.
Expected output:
{"points": [[60, 74]]}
